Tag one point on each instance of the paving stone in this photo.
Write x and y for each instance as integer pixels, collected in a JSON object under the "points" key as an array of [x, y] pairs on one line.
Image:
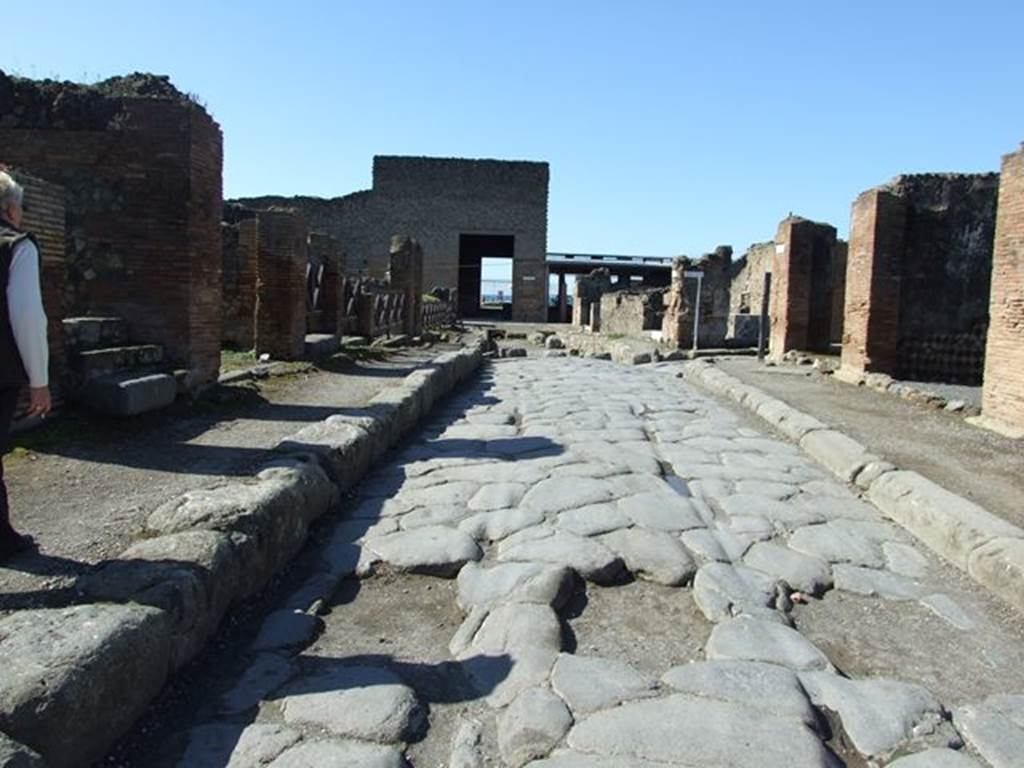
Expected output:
{"points": [[723, 591], [879, 715], [444, 494], [500, 524], [560, 493], [354, 701], [619, 456], [661, 510], [945, 607], [531, 726], [692, 731], [513, 583], [652, 555], [515, 627], [803, 572], [832, 507], [768, 687], [936, 758], [590, 559], [286, 629], [265, 674], [320, 754], [838, 543], [875, 583], [751, 527], [785, 515], [466, 745], [15, 755], [230, 745], [905, 560], [441, 514], [749, 639], [499, 679], [704, 543], [588, 684], [435, 550], [497, 496], [776, 491], [995, 728], [593, 519]]}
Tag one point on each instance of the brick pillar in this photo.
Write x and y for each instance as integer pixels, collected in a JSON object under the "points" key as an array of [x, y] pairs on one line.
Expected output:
{"points": [[281, 285], [791, 286], [1003, 392], [872, 304], [248, 259], [405, 273]]}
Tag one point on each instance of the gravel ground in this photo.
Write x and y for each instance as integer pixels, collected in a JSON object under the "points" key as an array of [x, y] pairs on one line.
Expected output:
{"points": [[84, 485], [973, 462]]}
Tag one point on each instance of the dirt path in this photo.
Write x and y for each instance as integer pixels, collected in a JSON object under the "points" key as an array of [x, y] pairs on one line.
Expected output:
{"points": [[84, 485]]}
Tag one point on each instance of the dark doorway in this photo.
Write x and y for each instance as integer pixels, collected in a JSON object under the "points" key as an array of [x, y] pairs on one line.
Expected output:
{"points": [[491, 254]]}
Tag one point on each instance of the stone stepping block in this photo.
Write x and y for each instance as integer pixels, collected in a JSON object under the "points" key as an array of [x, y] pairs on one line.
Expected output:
{"points": [[750, 639], [588, 684], [513, 627], [694, 731], [802, 572], [995, 728], [652, 555], [766, 687], [661, 511], [513, 583], [838, 542], [354, 701], [532, 726], [318, 754], [590, 559], [723, 591], [876, 583], [879, 715], [434, 550]]}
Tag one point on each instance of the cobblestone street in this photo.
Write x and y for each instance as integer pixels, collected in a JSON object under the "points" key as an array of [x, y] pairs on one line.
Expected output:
{"points": [[577, 564]]}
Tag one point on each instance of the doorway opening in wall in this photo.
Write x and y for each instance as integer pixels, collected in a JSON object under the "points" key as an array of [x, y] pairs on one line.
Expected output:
{"points": [[561, 286], [485, 276]]}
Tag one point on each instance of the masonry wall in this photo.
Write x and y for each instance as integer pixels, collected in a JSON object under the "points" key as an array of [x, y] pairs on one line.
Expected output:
{"points": [[324, 253], [435, 200], [918, 277], [141, 167], [240, 242], [1003, 394], [746, 292], [280, 329], [632, 312], [802, 282]]}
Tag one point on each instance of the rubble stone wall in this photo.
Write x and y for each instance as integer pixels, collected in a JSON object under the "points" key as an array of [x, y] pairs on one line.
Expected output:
{"points": [[632, 312], [281, 285], [240, 243]]}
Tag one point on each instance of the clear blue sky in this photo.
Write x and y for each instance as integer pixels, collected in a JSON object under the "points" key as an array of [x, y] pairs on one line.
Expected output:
{"points": [[670, 126]]}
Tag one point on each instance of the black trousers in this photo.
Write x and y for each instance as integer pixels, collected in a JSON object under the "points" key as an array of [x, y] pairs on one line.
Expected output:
{"points": [[8, 401]]}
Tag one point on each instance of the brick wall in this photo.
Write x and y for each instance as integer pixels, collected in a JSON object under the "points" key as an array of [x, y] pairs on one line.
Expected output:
{"points": [[435, 200], [44, 217], [1003, 394], [325, 257], [405, 273], [281, 285], [801, 300], [240, 253], [142, 180], [838, 289]]}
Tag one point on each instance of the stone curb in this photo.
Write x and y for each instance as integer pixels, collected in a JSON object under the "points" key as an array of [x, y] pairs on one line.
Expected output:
{"points": [[82, 675], [987, 547]]}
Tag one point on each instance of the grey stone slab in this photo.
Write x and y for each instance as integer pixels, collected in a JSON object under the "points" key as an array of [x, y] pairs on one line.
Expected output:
{"points": [[711, 488], [749, 639], [517, 627], [557, 494], [879, 715], [441, 514], [904, 560], [661, 510], [805, 573], [531, 726], [704, 543], [286, 629], [467, 750], [723, 591], [593, 519], [262, 676], [830, 507], [354, 701], [513, 583], [838, 543], [588, 684], [15, 755], [320, 754], [497, 496], [778, 491], [785, 515], [946, 608], [652, 555], [691, 731], [500, 524], [435, 550], [767, 687], [875, 583], [443, 494], [129, 394], [231, 745], [999, 566], [751, 527], [995, 728], [936, 758], [590, 559], [499, 679]]}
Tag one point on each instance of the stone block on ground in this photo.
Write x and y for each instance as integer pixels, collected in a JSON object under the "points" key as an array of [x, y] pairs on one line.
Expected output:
{"points": [[344, 449], [319, 754], [513, 583], [433, 549], [590, 559], [15, 755], [749, 639], [129, 394], [532, 725], [588, 684], [842, 455], [995, 728], [652, 555]]}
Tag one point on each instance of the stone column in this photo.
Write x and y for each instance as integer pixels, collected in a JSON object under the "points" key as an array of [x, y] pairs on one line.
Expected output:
{"points": [[1003, 391], [872, 303], [281, 285], [677, 323], [563, 299], [405, 273]]}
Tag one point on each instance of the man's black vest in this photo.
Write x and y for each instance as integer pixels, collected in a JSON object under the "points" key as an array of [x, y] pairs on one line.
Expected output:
{"points": [[12, 370]]}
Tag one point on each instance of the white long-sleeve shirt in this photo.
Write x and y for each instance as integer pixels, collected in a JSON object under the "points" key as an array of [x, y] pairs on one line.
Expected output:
{"points": [[28, 318]]}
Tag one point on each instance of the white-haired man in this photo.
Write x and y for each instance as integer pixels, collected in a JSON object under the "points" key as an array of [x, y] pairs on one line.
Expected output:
{"points": [[24, 355]]}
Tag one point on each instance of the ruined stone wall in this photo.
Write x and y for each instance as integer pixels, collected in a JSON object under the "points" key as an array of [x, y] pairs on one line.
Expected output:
{"points": [[323, 283], [632, 312], [1003, 395], [715, 300], [141, 167], [918, 277], [435, 200], [281, 284], [240, 242], [746, 292], [838, 289], [586, 294]]}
